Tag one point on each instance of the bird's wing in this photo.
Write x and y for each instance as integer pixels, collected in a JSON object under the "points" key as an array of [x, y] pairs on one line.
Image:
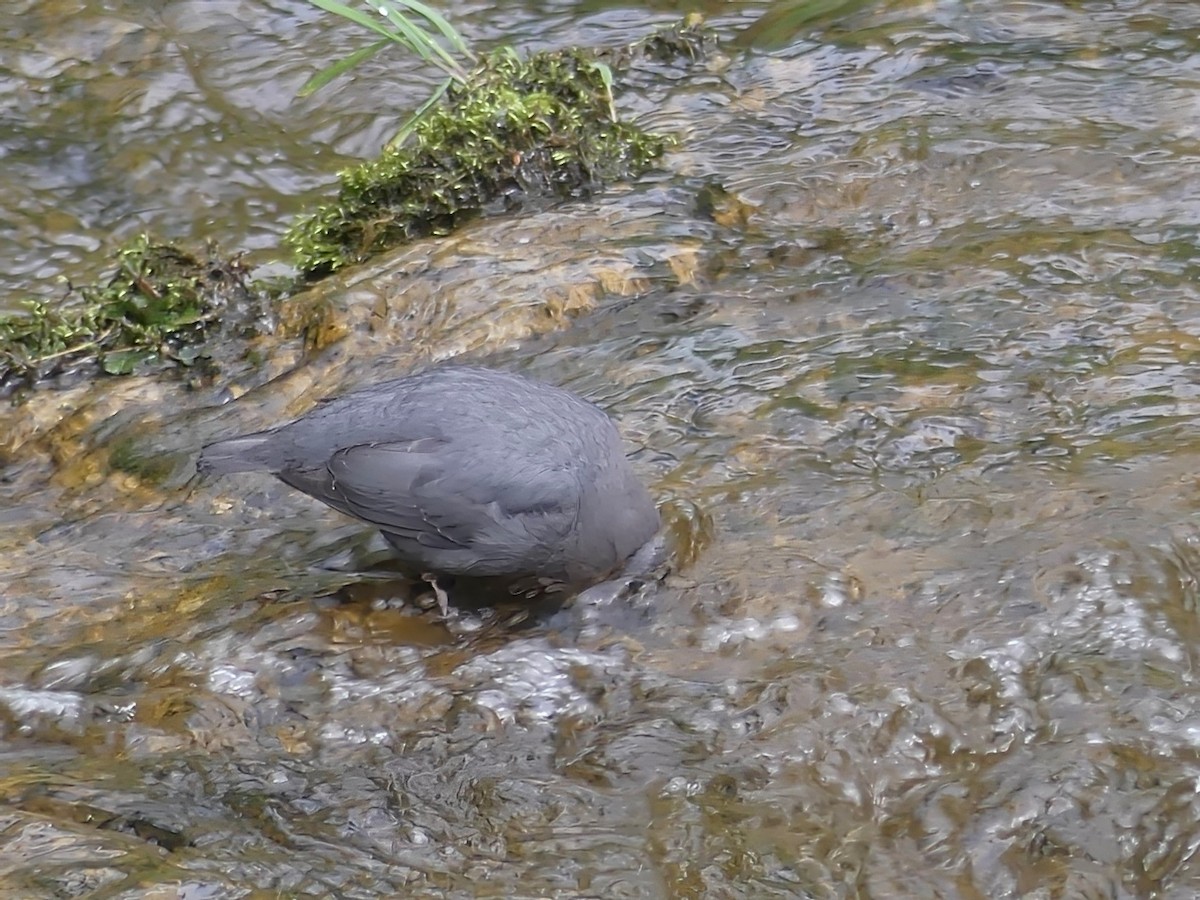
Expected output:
{"points": [[507, 514]]}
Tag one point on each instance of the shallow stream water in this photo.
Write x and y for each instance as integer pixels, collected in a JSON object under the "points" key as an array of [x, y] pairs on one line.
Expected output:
{"points": [[904, 334]]}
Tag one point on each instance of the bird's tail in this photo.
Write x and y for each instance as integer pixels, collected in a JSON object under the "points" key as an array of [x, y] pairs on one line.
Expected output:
{"points": [[239, 454]]}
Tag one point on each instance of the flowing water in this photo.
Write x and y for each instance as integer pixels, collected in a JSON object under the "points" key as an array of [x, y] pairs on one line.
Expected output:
{"points": [[904, 334]]}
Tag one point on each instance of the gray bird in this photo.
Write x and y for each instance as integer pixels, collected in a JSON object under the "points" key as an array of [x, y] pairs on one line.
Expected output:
{"points": [[470, 473]]}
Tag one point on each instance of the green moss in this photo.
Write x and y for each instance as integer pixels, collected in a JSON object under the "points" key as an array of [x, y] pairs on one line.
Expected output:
{"points": [[158, 305], [539, 127], [130, 456], [689, 39], [515, 130]]}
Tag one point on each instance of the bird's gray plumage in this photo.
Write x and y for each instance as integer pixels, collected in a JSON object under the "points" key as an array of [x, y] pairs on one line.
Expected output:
{"points": [[467, 472]]}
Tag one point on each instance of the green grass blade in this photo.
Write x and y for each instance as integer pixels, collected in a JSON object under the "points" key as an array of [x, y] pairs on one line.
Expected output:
{"points": [[354, 15], [418, 39], [412, 36], [606, 76], [435, 18], [410, 123], [342, 66]]}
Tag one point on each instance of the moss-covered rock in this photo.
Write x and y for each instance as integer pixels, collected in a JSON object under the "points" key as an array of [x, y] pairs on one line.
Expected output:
{"points": [[516, 129], [158, 305]]}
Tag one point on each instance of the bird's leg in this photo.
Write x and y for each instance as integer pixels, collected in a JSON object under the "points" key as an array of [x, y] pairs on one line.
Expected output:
{"points": [[443, 598]]}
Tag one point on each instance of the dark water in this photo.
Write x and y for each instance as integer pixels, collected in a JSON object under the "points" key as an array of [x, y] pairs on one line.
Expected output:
{"points": [[905, 336]]}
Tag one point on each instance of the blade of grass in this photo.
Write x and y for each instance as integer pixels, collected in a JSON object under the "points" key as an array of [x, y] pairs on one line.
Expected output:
{"points": [[411, 122], [435, 18], [342, 66], [606, 76], [359, 18], [419, 40]]}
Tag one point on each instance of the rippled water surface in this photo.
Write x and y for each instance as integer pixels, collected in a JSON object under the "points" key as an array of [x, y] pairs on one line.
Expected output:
{"points": [[904, 334]]}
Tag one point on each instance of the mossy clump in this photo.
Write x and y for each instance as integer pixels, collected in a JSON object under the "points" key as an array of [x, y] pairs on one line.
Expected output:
{"points": [[516, 129], [144, 462], [159, 305], [688, 40]]}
